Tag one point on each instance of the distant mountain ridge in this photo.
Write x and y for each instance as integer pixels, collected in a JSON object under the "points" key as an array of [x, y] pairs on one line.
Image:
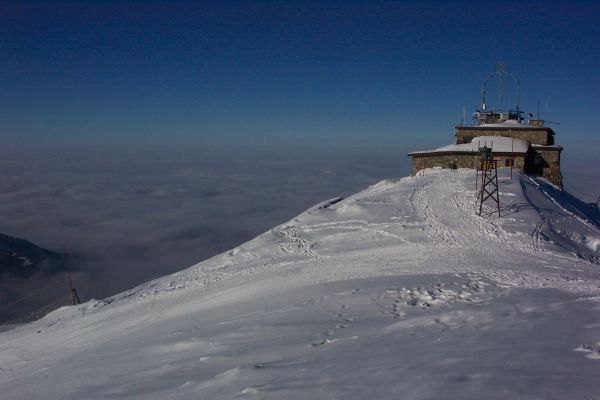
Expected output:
{"points": [[19, 258]]}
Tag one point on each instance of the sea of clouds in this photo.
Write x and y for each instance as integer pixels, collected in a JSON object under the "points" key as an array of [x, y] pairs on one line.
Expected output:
{"points": [[129, 215]]}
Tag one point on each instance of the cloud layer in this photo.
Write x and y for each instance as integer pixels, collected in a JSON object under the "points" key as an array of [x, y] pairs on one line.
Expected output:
{"points": [[130, 216]]}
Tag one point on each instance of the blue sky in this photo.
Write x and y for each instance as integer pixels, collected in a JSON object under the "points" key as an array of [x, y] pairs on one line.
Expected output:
{"points": [[376, 73]]}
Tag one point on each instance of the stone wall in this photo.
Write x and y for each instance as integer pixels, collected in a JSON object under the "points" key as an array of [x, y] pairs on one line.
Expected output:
{"points": [[539, 162], [545, 163], [504, 161], [542, 136], [457, 160]]}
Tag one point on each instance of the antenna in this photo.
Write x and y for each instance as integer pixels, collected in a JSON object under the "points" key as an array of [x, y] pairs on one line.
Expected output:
{"points": [[483, 95], [500, 87], [500, 72]]}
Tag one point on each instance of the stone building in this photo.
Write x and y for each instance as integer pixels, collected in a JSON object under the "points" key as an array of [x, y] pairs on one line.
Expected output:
{"points": [[505, 150], [529, 147]]}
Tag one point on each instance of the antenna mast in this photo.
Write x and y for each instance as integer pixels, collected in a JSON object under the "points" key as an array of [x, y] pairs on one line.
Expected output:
{"points": [[500, 87], [501, 71]]}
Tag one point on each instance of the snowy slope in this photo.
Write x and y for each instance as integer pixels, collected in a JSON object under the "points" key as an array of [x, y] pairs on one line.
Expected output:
{"points": [[399, 291]]}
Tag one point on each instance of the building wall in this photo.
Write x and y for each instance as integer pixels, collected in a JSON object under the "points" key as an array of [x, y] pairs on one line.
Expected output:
{"points": [[540, 162], [545, 163], [504, 161], [445, 161], [420, 162], [543, 137]]}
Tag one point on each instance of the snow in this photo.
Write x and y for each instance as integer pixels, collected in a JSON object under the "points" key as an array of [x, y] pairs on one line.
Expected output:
{"points": [[498, 144], [399, 291], [545, 146]]}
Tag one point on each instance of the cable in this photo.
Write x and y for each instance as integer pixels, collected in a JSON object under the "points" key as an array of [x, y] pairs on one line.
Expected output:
{"points": [[37, 313], [31, 295]]}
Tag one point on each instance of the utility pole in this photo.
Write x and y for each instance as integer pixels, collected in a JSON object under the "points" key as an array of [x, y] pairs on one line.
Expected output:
{"points": [[73, 291]]}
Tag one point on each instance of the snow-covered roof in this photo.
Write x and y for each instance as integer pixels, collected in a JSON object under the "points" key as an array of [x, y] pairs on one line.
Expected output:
{"points": [[546, 146], [499, 144]]}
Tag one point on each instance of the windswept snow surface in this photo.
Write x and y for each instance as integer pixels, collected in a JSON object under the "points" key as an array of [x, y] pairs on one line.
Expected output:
{"points": [[399, 291]]}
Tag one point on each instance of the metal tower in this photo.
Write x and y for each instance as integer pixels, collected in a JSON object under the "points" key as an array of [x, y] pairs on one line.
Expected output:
{"points": [[489, 179]]}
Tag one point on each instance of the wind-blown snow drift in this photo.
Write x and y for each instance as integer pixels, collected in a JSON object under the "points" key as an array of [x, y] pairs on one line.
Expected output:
{"points": [[398, 291]]}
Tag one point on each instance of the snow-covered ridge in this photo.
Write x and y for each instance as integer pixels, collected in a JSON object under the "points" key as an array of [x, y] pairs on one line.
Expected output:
{"points": [[400, 288]]}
